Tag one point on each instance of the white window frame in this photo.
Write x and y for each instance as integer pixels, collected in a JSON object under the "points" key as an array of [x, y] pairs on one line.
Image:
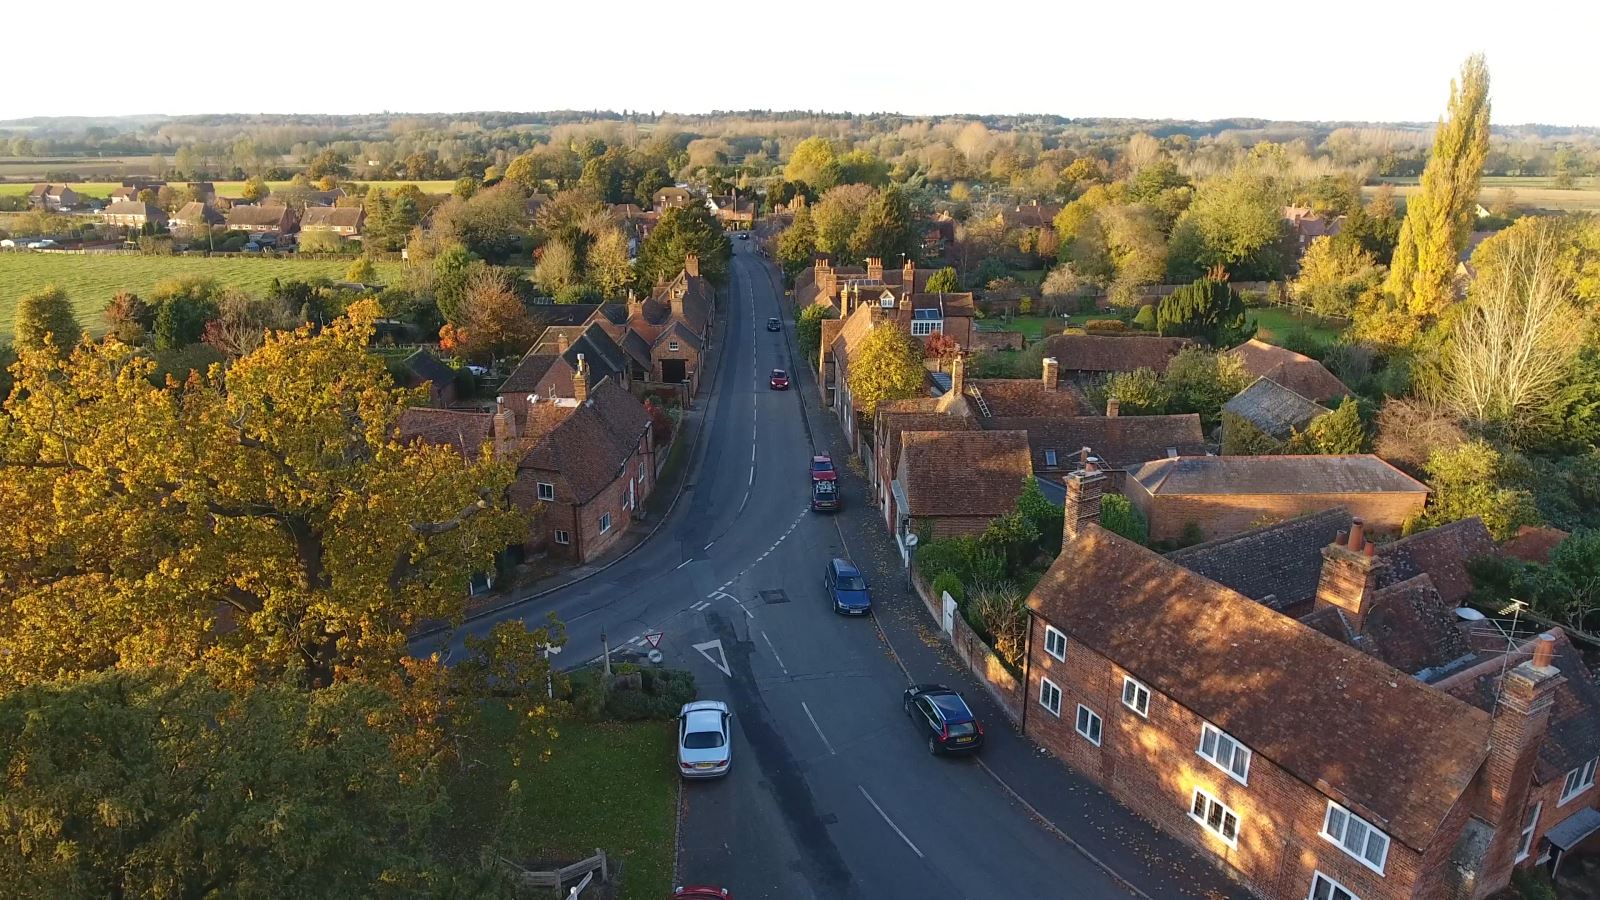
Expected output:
{"points": [[672, 346], [1050, 458], [1089, 725], [1140, 702], [605, 522], [1219, 739], [1336, 891], [1055, 638], [563, 537], [1577, 781], [926, 327], [1227, 811], [1049, 691], [1345, 831], [1525, 843], [547, 491]]}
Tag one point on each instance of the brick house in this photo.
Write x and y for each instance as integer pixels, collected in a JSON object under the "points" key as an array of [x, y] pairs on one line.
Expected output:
{"points": [[54, 197], [1093, 357], [1295, 371], [550, 366], [345, 221], [1223, 495], [840, 338], [196, 216], [1306, 763], [950, 483], [277, 220], [133, 214], [665, 335], [733, 211], [670, 198], [1119, 442], [826, 283]]}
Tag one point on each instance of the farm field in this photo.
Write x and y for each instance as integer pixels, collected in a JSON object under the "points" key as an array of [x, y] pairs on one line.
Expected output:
{"points": [[91, 280], [1535, 191], [103, 189]]}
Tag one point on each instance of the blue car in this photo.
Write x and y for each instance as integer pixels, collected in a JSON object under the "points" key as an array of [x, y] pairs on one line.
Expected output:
{"points": [[846, 588]]}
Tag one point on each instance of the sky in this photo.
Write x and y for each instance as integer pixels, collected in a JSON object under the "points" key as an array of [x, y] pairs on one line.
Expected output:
{"points": [[1359, 60]]}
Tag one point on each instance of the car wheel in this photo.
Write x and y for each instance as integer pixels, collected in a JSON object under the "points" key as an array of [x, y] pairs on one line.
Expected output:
{"points": [[933, 746]]}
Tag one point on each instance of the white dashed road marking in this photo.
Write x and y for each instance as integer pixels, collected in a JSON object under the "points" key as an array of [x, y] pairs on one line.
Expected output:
{"points": [[825, 741], [890, 822], [775, 655]]}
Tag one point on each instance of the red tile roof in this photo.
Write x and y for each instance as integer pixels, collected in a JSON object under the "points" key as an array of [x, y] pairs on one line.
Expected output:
{"points": [[589, 443], [963, 473], [464, 430], [1102, 353], [1398, 752], [1119, 441], [1297, 372], [1008, 397]]}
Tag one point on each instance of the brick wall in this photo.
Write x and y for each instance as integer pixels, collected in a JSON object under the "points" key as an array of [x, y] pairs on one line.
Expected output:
{"points": [[950, 526], [582, 522], [1222, 515], [1150, 764], [980, 660], [688, 354]]}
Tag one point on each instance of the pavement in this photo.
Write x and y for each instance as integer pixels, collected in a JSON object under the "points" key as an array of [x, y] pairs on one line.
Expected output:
{"points": [[832, 794]]}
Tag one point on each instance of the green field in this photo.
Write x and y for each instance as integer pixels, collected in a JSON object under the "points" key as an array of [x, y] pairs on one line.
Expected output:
{"points": [[103, 189], [1274, 324], [1528, 191], [91, 280]]}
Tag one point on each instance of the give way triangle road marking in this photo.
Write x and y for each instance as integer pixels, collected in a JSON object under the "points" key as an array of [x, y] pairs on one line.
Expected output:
{"points": [[720, 660]]}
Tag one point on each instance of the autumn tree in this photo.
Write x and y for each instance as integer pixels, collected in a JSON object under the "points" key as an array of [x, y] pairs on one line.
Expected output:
{"points": [[808, 328], [45, 317], [944, 281], [886, 366], [255, 189], [557, 267], [1470, 480], [886, 229], [1334, 276], [260, 522], [680, 233], [494, 320], [797, 245], [814, 163], [609, 269], [1439, 215], [837, 215], [129, 317]]}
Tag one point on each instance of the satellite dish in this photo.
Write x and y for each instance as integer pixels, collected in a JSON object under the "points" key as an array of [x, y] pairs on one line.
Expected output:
{"points": [[1467, 613]]}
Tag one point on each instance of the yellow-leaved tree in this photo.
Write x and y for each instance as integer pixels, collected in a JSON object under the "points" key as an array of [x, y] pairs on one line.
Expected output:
{"points": [[258, 521]]}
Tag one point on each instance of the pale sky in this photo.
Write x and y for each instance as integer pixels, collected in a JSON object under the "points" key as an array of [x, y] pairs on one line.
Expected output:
{"points": [[1369, 60]]}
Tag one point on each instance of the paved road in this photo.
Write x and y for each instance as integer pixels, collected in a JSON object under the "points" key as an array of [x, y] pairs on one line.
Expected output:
{"points": [[832, 794]]}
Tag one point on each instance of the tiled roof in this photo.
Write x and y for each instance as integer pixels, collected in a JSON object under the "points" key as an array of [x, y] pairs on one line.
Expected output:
{"points": [[258, 215], [1396, 751], [1247, 475], [1102, 353], [1533, 543], [195, 211], [1119, 441], [427, 367], [1409, 626], [963, 473], [543, 371], [134, 208], [1030, 215], [333, 217], [893, 423], [1278, 564], [1006, 397], [1442, 553], [1273, 408], [680, 332], [464, 430], [591, 444], [1299, 373]]}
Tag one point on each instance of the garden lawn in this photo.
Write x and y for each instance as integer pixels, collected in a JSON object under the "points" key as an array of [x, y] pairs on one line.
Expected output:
{"points": [[91, 280], [1036, 327], [1275, 324], [611, 786]]}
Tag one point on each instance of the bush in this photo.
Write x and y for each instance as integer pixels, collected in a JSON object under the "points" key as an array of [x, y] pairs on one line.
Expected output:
{"points": [[1120, 516], [999, 612], [947, 583], [1145, 318], [1102, 326]]}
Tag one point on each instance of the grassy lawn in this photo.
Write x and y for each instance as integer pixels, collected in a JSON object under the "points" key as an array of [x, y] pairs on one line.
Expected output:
{"points": [[1036, 327], [611, 786], [91, 280], [1530, 191], [103, 189], [1274, 324]]}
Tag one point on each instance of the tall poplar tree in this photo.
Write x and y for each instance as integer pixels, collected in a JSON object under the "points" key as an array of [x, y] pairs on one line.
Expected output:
{"points": [[1439, 216]]}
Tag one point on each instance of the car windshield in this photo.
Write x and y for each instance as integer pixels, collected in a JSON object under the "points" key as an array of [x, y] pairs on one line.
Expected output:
{"points": [[822, 465], [702, 740], [852, 583], [779, 373]]}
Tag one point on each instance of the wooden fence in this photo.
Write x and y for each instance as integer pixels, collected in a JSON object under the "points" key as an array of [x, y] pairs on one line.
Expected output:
{"points": [[558, 880]]}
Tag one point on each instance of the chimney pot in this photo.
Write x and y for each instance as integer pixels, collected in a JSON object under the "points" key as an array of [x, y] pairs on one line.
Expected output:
{"points": [[1341, 539], [1357, 534], [1544, 651], [1052, 370], [1369, 549], [1113, 407]]}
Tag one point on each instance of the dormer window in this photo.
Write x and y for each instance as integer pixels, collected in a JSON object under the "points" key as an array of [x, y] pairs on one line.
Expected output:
{"points": [[925, 322], [1050, 458]]}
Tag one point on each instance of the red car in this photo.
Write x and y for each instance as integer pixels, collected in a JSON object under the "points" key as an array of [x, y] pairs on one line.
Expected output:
{"points": [[822, 469], [780, 380], [701, 892]]}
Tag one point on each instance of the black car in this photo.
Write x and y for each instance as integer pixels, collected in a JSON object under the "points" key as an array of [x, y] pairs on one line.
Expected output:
{"points": [[773, 324], [944, 718]]}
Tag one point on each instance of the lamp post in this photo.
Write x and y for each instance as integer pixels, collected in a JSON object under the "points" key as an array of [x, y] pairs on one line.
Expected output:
{"points": [[911, 554]]}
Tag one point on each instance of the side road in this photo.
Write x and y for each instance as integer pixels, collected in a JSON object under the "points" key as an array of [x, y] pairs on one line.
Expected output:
{"points": [[1149, 863]]}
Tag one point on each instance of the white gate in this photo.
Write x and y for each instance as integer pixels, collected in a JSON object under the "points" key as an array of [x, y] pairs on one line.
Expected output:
{"points": [[949, 612]]}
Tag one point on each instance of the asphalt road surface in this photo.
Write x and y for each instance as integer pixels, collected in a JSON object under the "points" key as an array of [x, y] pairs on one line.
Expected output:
{"points": [[832, 794]]}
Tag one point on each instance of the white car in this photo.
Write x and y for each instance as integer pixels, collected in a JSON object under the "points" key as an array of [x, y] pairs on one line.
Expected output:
{"points": [[42, 245], [704, 741]]}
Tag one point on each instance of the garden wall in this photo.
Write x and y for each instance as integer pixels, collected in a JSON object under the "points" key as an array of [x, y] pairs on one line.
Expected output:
{"points": [[979, 658]]}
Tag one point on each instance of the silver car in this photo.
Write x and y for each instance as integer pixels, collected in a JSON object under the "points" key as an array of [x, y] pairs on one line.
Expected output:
{"points": [[704, 744]]}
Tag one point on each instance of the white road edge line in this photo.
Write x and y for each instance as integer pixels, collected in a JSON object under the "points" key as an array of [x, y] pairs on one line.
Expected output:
{"points": [[751, 615], [890, 822], [775, 655], [825, 741], [707, 547], [752, 480], [684, 563]]}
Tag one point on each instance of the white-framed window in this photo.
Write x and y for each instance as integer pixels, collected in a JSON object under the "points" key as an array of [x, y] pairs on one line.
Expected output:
{"points": [[1050, 696], [1088, 724], [1356, 836], [1578, 780], [1136, 696], [563, 537], [926, 327], [1050, 458], [1214, 817], [547, 491], [1325, 888], [1225, 753], [1525, 844], [672, 346], [1055, 642], [605, 522]]}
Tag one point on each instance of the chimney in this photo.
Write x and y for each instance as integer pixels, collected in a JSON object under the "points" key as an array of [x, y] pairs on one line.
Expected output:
{"points": [[905, 303], [677, 302], [580, 380], [958, 374], [1113, 407], [505, 428], [875, 269], [561, 343], [635, 305], [1051, 374], [1521, 723], [1084, 488], [1349, 576], [908, 275], [691, 265]]}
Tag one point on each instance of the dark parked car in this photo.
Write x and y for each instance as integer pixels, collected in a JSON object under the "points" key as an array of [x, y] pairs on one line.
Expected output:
{"points": [[825, 496], [773, 324], [944, 718], [780, 380], [822, 469], [701, 892], [847, 589]]}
